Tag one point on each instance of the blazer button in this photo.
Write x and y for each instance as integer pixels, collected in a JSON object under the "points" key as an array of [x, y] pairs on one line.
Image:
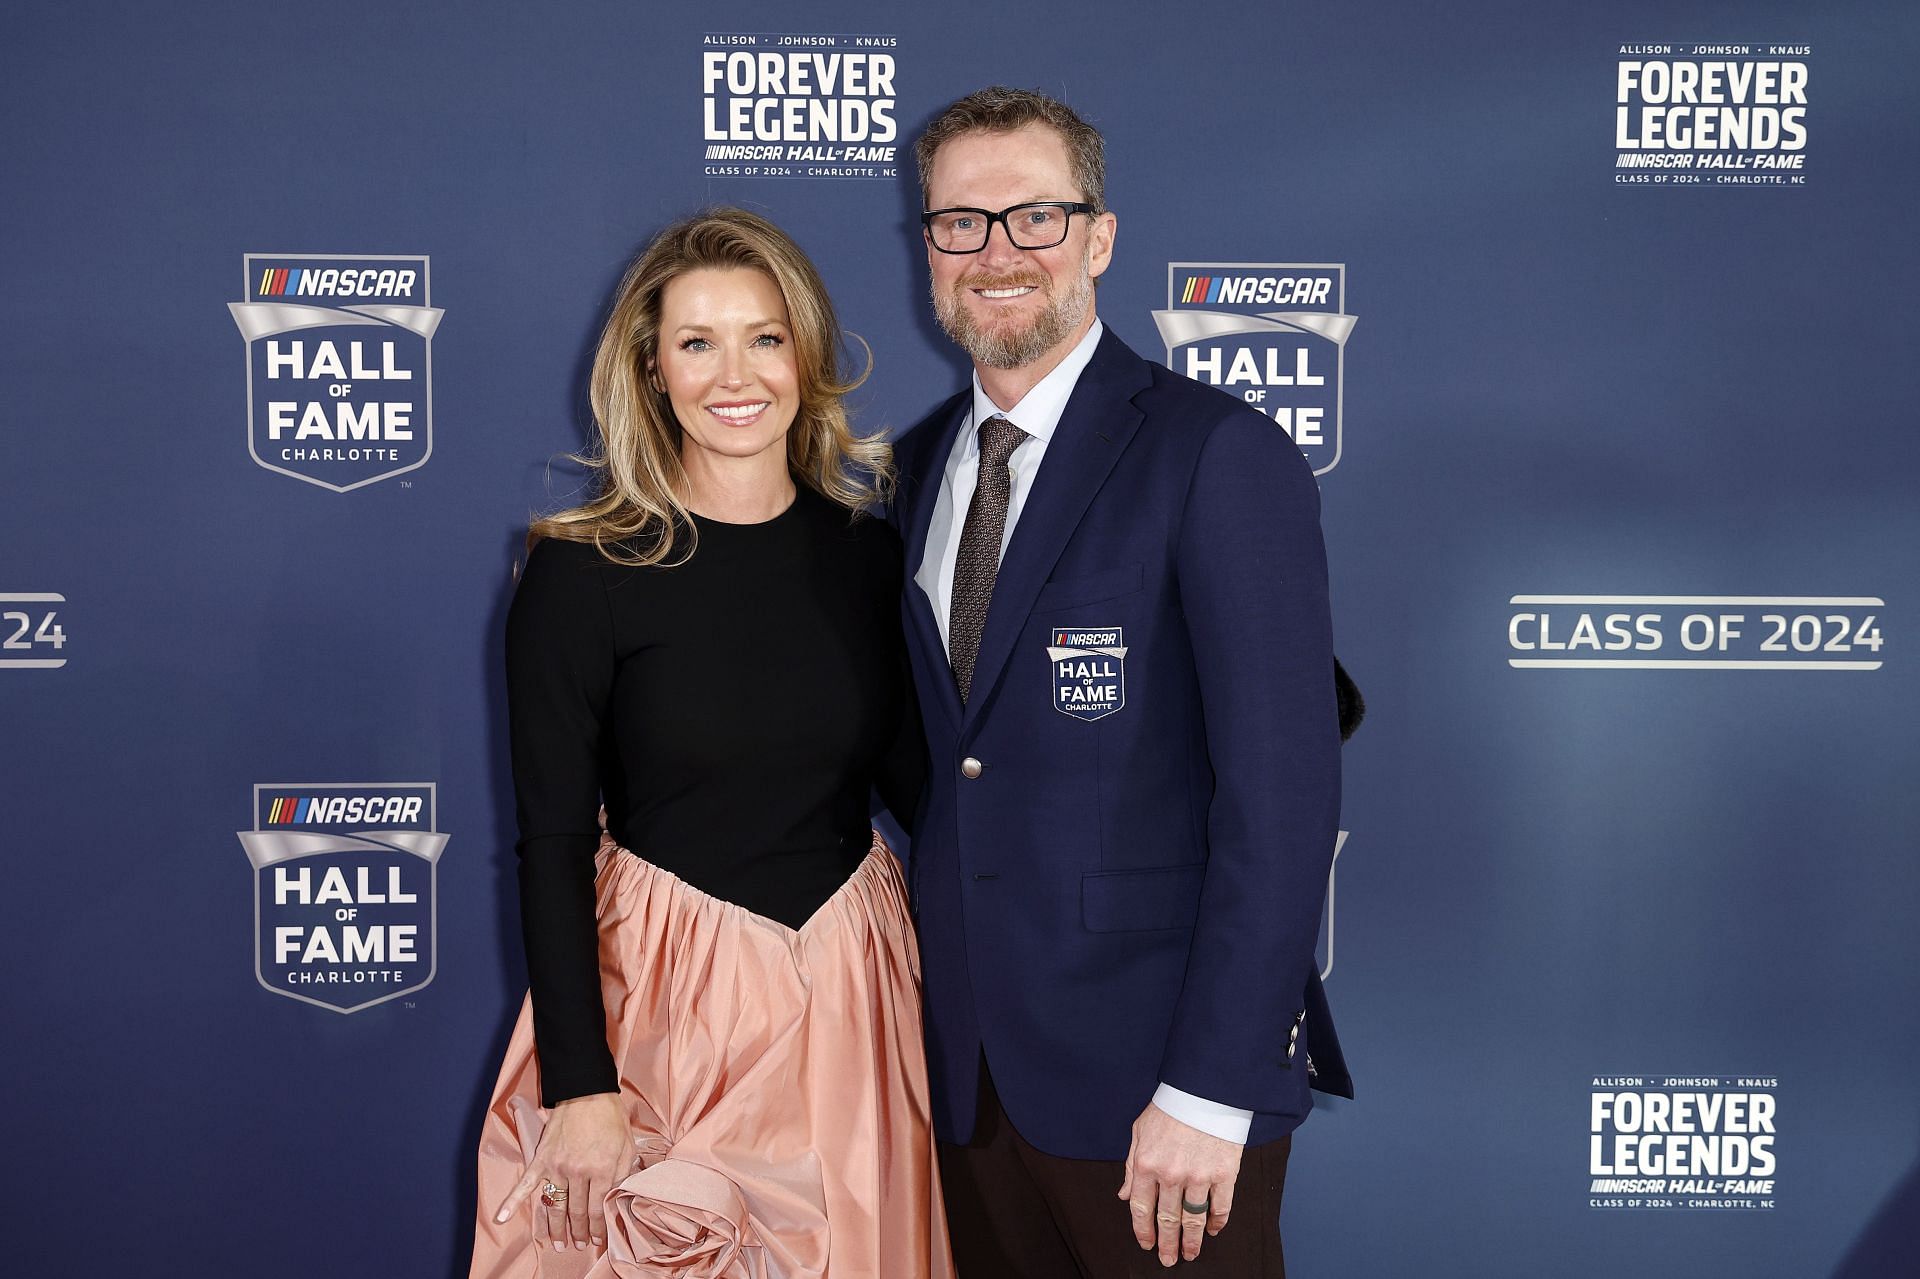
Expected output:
{"points": [[971, 768]]}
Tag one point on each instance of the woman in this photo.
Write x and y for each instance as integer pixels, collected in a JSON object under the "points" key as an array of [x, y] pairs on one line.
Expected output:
{"points": [[719, 1071]]}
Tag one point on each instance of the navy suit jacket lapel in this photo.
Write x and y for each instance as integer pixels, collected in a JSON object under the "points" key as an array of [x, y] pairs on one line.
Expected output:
{"points": [[925, 473], [1099, 420]]}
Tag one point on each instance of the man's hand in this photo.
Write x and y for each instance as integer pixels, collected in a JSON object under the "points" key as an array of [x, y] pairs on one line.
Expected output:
{"points": [[1168, 1163]]}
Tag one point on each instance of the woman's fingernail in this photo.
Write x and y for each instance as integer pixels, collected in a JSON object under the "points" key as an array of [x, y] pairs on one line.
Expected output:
{"points": [[558, 1246]]}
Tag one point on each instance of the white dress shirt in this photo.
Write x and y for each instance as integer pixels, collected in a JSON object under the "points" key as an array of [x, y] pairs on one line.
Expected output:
{"points": [[1038, 414]]}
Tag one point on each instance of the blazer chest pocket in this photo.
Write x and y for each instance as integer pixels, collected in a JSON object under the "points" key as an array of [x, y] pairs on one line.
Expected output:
{"points": [[1130, 901], [1091, 588]]}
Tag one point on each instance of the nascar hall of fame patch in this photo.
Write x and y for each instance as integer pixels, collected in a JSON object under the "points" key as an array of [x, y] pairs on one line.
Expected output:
{"points": [[1089, 671], [339, 365], [1710, 115], [344, 876], [1682, 1141], [1273, 333], [799, 106]]}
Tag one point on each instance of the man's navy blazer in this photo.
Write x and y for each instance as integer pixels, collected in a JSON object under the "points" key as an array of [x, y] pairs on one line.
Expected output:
{"points": [[1129, 891]]}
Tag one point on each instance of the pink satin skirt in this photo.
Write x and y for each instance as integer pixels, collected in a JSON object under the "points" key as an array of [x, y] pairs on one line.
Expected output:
{"points": [[774, 1080]]}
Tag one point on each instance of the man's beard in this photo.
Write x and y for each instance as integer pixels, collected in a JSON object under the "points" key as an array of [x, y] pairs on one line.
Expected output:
{"points": [[1006, 346]]}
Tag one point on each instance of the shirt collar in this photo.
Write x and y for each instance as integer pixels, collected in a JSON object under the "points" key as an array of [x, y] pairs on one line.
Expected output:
{"points": [[1039, 410]]}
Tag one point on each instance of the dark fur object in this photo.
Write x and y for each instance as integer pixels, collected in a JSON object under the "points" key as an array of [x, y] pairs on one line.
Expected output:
{"points": [[1353, 707]]}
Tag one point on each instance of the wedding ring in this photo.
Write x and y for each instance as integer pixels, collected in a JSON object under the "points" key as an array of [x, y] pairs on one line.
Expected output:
{"points": [[1200, 1208], [553, 1196]]}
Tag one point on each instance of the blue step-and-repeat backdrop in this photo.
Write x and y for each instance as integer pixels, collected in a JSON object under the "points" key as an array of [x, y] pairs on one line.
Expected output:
{"points": [[1596, 322]]}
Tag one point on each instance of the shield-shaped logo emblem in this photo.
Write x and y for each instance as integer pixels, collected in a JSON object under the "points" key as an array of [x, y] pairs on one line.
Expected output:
{"points": [[1089, 671], [339, 365], [1273, 333], [344, 890]]}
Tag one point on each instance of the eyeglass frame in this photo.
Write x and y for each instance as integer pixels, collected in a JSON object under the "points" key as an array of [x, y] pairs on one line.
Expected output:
{"points": [[1070, 207]]}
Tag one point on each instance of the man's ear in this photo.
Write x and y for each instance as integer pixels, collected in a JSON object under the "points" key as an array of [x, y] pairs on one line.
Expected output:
{"points": [[1100, 245]]}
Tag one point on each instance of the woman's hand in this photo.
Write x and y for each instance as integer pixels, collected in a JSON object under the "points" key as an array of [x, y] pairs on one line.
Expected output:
{"points": [[584, 1150]]}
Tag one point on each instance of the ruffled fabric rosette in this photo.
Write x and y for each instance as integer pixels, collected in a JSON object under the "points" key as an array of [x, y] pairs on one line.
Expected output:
{"points": [[685, 1220]]}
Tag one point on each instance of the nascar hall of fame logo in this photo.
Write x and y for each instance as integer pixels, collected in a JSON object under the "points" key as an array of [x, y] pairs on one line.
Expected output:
{"points": [[799, 106], [339, 365], [343, 890], [1273, 333], [1710, 114], [1089, 671], [1682, 1141]]}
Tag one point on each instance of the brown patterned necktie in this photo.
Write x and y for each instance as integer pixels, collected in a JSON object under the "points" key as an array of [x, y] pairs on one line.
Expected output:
{"points": [[978, 561]]}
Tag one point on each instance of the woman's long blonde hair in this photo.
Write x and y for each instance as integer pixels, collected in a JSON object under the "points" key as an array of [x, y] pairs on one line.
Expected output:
{"points": [[639, 514]]}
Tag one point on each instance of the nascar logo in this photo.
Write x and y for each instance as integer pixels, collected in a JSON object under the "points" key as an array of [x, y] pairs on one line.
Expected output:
{"points": [[352, 810], [1275, 334], [281, 282], [1268, 290]]}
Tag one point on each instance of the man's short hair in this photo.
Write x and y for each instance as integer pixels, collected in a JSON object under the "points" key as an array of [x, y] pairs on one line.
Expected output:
{"points": [[998, 109]]}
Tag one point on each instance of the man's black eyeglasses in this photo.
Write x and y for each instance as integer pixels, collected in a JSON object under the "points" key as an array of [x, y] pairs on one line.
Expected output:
{"points": [[1040, 225]]}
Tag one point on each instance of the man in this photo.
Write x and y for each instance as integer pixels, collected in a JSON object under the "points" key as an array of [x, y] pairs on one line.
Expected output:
{"points": [[1119, 626]]}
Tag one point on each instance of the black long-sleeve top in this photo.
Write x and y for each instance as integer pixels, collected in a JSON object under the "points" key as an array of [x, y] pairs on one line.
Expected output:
{"points": [[735, 713]]}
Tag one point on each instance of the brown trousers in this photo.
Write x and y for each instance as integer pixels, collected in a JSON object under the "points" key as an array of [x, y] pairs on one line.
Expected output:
{"points": [[1016, 1213]]}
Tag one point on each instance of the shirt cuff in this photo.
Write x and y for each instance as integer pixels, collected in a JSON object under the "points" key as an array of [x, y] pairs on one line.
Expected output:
{"points": [[1228, 1123]]}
